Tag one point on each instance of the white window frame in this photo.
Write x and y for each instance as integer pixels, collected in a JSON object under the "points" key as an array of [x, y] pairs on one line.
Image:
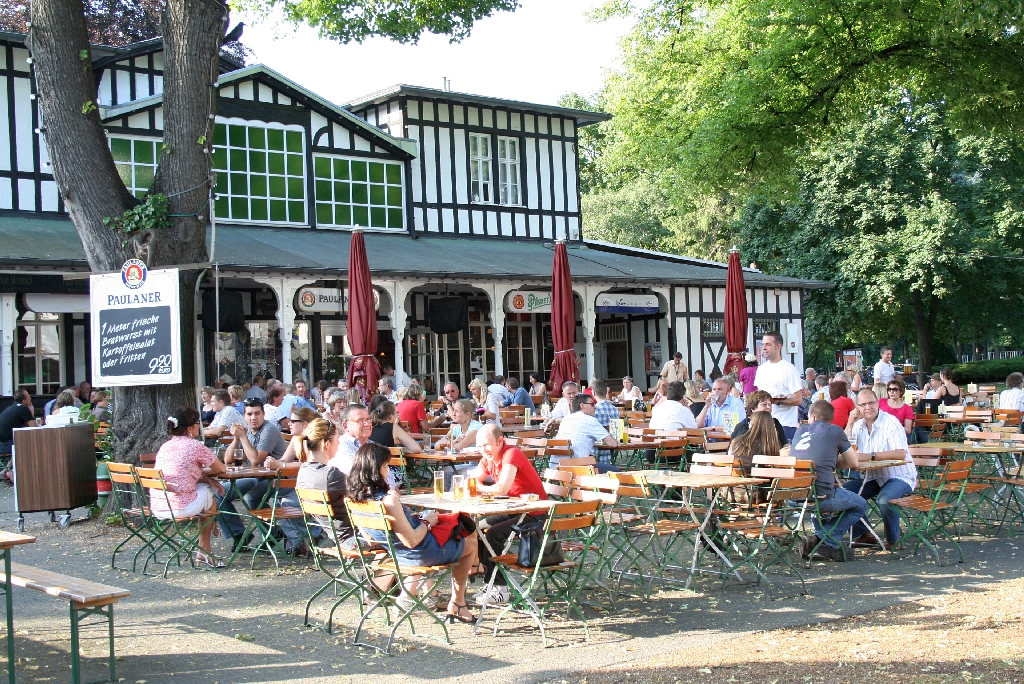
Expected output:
{"points": [[225, 174], [390, 188], [133, 186], [481, 169], [509, 191], [37, 323]]}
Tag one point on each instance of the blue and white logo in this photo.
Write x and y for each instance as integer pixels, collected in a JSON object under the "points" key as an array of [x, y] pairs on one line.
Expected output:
{"points": [[133, 274]]}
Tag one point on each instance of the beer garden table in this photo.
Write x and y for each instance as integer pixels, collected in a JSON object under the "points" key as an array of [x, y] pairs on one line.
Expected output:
{"points": [[478, 509], [685, 480], [232, 476]]}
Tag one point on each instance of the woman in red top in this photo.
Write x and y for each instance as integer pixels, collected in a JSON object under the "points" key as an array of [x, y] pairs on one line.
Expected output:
{"points": [[841, 403], [894, 404], [513, 475], [412, 410]]}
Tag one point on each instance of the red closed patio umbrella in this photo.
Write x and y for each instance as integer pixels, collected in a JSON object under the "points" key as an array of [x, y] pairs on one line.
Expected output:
{"points": [[362, 318], [563, 322], [735, 314]]}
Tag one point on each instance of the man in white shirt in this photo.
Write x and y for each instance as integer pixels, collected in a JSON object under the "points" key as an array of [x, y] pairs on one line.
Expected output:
{"points": [[272, 410], [356, 427], [671, 414], [884, 370], [882, 436], [563, 407], [583, 431], [780, 379], [227, 415], [820, 389], [1012, 398], [675, 370]]}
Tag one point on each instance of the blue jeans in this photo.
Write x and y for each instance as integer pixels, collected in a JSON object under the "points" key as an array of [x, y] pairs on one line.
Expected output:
{"points": [[882, 494], [849, 506], [253, 490]]}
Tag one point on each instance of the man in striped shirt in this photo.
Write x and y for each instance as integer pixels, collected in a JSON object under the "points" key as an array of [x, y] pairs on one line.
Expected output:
{"points": [[882, 436]]}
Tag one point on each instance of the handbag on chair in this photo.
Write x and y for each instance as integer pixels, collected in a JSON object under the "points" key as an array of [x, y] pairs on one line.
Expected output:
{"points": [[531, 534]]}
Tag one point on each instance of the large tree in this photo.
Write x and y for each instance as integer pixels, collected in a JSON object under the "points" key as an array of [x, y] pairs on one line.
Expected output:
{"points": [[174, 232], [728, 93], [911, 221]]}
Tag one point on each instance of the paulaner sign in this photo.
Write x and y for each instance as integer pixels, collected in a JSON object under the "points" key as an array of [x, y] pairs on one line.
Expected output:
{"points": [[136, 327], [521, 301], [326, 300]]}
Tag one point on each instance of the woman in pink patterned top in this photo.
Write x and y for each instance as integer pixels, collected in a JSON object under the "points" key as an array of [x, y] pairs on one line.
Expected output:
{"points": [[181, 459]]}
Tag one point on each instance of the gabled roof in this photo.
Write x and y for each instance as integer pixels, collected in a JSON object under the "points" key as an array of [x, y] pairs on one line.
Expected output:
{"points": [[402, 146], [582, 116]]}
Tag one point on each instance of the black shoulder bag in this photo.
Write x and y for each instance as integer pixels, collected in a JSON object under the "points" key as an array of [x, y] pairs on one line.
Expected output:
{"points": [[531, 533]]}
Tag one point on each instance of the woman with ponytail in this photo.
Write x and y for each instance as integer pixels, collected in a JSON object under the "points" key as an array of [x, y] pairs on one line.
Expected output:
{"points": [[317, 445], [388, 431], [181, 459]]}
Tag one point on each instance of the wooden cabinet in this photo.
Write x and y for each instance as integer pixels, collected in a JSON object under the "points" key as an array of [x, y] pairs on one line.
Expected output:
{"points": [[54, 468]]}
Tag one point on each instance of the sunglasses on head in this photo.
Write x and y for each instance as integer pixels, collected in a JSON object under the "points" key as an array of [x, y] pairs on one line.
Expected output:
{"points": [[253, 403]]}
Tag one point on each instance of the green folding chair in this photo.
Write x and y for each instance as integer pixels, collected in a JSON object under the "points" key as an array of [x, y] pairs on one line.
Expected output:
{"points": [[928, 516], [346, 581], [536, 589], [176, 535], [371, 516], [129, 502]]}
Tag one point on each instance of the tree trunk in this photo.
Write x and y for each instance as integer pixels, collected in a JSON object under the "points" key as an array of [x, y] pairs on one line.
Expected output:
{"points": [[924, 322], [92, 189]]}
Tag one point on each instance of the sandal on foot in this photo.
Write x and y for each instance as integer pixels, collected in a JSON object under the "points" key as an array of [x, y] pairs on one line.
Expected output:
{"points": [[457, 615], [203, 558]]}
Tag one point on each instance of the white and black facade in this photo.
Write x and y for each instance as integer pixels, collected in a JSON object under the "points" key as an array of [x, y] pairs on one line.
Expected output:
{"points": [[459, 196]]}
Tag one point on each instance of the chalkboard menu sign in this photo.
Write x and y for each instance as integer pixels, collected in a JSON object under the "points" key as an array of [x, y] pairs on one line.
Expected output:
{"points": [[136, 331]]}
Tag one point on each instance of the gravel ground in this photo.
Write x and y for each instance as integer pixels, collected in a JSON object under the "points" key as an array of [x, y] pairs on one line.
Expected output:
{"points": [[246, 625]]}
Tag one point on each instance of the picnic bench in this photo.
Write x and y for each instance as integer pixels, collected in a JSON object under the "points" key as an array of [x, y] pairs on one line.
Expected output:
{"points": [[86, 598]]}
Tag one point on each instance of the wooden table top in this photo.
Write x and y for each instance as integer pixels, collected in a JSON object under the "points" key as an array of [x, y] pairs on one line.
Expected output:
{"points": [[476, 506], [691, 480], [631, 445], [876, 465], [976, 448], [240, 472], [9, 539], [519, 427]]}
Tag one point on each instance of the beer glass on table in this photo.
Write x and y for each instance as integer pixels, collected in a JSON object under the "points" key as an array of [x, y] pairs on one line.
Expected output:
{"points": [[458, 487], [438, 484]]}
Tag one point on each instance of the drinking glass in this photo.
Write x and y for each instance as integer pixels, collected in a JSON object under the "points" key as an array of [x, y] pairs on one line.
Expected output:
{"points": [[458, 487], [470, 487], [438, 484]]}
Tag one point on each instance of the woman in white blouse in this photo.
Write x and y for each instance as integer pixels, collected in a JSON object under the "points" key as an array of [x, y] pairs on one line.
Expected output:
{"points": [[629, 390]]}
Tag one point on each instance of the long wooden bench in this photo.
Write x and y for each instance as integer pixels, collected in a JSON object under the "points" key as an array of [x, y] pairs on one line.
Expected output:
{"points": [[86, 598]]}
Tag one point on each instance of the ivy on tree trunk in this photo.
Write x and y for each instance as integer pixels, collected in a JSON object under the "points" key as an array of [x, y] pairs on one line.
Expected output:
{"points": [[92, 189]]}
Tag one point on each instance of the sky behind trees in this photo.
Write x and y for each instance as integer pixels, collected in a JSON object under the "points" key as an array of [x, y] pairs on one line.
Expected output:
{"points": [[543, 50]]}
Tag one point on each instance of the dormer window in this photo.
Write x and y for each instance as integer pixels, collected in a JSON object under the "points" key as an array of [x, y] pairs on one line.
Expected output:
{"points": [[508, 171], [482, 159]]}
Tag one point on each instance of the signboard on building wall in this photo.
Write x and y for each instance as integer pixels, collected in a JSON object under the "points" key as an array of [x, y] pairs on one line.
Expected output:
{"points": [[793, 338], [327, 300], [520, 301], [652, 357], [136, 327], [610, 302]]}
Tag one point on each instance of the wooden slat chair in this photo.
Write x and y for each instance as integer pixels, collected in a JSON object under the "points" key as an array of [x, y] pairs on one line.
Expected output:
{"points": [[928, 517], [537, 399], [640, 432], [532, 434], [271, 511], [750, 504], [655, 544], [929, 461], [587, 465], [346, 581], [399, 462], [955, 411], [557, 449], [371, 516], [535, 590], [1008, 416], [557, 484], [980, 437], [671, 454], [988, 389], [177, 535], [130, 504], [768, 543], [601, 552], [436, 432]]}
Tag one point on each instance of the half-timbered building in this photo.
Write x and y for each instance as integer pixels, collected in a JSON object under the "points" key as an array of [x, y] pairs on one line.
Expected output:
{"points": [[460, 197]]}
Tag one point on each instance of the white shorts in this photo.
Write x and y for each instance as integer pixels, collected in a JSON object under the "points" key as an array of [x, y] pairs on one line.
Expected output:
{"points": [[203, 501]]}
